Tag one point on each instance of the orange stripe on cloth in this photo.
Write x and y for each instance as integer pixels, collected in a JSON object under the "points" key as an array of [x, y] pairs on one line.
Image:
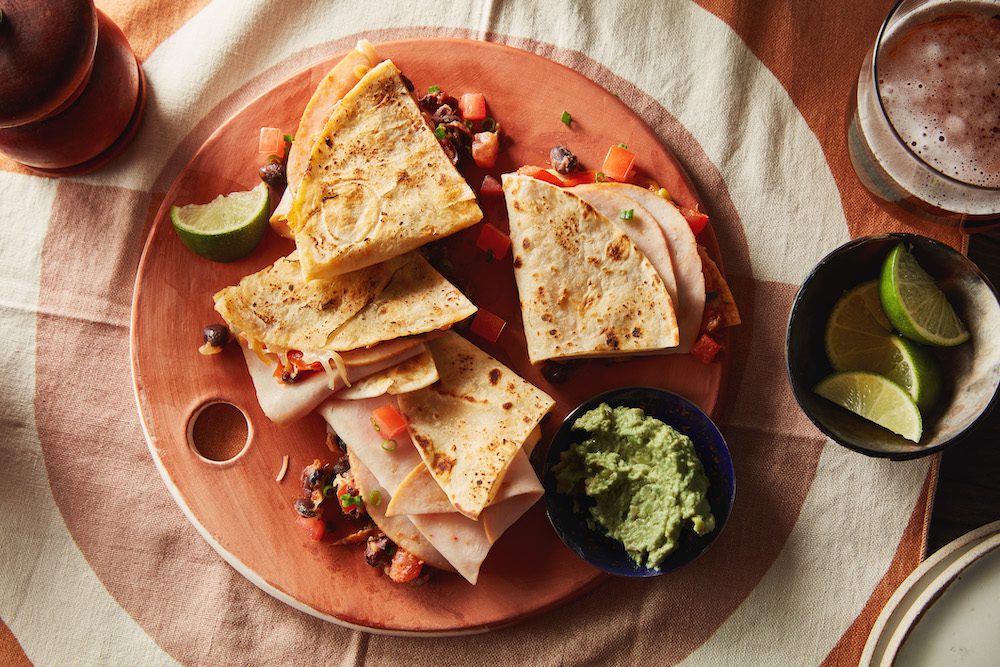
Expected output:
{"points": [[11, 653], [848, 650], [147, 23], [816, 50]]}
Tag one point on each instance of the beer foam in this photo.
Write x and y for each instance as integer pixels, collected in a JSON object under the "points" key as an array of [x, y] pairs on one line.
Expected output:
{"points": [[940, 86]]}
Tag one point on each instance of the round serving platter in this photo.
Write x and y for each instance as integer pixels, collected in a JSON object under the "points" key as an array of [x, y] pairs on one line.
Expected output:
{"points": [[237, 505]]}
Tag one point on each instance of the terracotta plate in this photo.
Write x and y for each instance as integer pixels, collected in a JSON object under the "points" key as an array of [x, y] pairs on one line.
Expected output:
{"points": [[237, 505]]}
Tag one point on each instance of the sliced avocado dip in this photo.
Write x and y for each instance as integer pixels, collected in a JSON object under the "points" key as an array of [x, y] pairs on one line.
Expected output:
{"points": [[645, 478]]}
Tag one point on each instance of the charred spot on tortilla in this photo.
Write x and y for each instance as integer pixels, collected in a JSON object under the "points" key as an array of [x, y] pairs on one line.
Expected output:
{"points": [[517, 263], [442, 464], [494, 375], [507, 406]]}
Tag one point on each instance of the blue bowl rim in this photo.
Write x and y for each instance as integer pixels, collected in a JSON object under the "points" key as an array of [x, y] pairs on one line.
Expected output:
{"points": [[725, 467], [798, 392]]}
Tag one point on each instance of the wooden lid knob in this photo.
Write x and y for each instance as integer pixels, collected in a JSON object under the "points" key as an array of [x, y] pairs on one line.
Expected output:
{"points": [[46, 54]]}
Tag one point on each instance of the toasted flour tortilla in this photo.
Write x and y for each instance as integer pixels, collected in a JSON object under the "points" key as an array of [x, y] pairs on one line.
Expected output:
{"points": [[585, 287], [399, 529], [378, 183], [276, 308], [409, 375], [719, 300], [642, 228], [684, 255], [471, 423]]}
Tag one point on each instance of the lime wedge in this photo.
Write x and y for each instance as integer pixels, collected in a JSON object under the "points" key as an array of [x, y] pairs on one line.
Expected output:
{"points": [[875, 398], [914, 303], [857, 332], [228, 227], [860, 338]]}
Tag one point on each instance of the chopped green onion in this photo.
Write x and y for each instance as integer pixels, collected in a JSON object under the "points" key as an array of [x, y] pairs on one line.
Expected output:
{"points": [[375, 424], [468, 124], [600, 177], [347, 500], [289, 139], [389, 445], [490, 256], [375, 498], [627, 214], [439, 131], [434, 89], [566, 118], [489, 124], [625, 146], [327, 489]]}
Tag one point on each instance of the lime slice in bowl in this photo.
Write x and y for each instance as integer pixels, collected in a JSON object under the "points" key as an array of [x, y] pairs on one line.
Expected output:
{"points": [[875, 398], [914, 303], [859, 337], [857, 333], [228, 227]]}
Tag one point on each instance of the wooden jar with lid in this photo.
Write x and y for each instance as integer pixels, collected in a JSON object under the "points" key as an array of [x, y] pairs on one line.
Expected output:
{"points": [[71, 90]]}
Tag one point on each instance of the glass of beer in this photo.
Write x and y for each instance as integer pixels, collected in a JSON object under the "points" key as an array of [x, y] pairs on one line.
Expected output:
{"points": [[925, 133]]}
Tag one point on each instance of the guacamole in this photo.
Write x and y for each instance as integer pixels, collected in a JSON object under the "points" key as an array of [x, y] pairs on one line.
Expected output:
{"points": [[645, 478]]}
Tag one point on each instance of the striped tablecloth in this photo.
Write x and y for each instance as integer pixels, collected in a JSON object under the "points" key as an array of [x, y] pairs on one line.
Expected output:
{"points": [[99, 566]]}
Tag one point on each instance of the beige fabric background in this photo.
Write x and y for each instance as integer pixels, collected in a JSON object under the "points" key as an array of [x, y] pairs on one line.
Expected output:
{"points": [[98, 565]]}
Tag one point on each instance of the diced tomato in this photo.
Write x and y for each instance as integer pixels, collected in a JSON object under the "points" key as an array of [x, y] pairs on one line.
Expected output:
{"points": [[487, 326], [313, 526], [485, 149], [579, 178], [295, 359], [618, 163], [695, 219], [473, 106], [271, 141], [493, 240], [705, 349], [390, 422], [405, 567], [491, 187], [541, 174]]}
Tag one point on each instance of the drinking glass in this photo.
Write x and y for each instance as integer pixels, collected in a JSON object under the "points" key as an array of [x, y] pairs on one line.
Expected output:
{"points": [[925, 132]]}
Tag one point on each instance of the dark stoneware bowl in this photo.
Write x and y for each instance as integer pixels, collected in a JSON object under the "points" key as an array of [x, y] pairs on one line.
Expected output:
{"points": [[608, 554], [971, 371]]}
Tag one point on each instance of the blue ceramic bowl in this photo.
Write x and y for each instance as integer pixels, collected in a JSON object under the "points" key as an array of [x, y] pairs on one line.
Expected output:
{"points": [[606, 553], [971, 371]]}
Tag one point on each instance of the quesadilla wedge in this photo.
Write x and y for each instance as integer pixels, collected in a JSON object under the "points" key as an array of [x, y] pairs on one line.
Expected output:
{"points": [[331, 89], [641, 227], [378, 184], [463, 542], [684, 256], [586, 289], [471, 423], [347, 328]]}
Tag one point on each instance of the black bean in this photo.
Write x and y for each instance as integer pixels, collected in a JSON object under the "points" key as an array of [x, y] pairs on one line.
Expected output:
{"points": [[304, 507], [216, 334], [379, 550], [340, 467], [563, 160], [273, 173]]}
